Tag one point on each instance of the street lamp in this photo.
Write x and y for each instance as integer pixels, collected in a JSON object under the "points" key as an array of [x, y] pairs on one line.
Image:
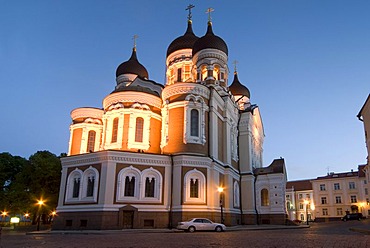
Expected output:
{"points": [[306, 203], [3, 215], [221, 190], [40, 203]]}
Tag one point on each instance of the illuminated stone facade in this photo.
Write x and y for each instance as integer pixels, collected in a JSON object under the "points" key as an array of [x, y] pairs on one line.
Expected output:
{"points": [[156, 154]]}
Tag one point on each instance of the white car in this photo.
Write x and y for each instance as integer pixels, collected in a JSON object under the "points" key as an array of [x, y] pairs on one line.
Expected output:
{"points": [[200, 224]]}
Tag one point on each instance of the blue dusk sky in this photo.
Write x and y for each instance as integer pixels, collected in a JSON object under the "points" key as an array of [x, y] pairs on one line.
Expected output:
{"points": [[306, 63]]}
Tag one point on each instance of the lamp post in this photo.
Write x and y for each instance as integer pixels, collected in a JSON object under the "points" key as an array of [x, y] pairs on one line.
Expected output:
{"points": [[306, 203], [40, 203], [3, 215], [221, 190]]}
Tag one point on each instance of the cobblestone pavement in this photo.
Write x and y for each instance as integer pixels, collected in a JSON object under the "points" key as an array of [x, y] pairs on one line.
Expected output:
{"points": [[333, 234]]}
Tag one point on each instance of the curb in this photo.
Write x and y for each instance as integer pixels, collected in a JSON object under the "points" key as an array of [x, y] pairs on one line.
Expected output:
{"points": [[101, 232], [359, 230]]}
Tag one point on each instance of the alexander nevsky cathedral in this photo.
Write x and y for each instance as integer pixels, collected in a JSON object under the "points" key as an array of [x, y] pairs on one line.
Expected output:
{"points": [[157, 153]]}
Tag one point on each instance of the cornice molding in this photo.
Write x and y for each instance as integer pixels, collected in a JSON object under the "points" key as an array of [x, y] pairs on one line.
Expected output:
{"points": [[132, 97], [185, 88]]}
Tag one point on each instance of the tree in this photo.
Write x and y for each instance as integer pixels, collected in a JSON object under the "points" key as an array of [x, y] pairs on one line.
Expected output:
{"points": [[10, 167]]}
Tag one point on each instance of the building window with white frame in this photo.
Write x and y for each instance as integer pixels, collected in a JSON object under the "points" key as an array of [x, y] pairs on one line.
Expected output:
{"points": [[194, 123], [325, 212], [130, 186], [336, 186], [76, 187], [128, 181], [114, 130], [139, 129], [322, 187], [149, 187], [353, 199], [194, 118], [366, 191], [301, 205], [338, 199], [91, 141], [339, 211], [90, 184], [194, 187], [351, 185], [323, 200], [74, 182]]}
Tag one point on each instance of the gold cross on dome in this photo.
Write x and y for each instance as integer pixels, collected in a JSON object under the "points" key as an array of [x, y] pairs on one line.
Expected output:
{"points": [[209, 10], [190, 6], [135, 38], [235, 63]]}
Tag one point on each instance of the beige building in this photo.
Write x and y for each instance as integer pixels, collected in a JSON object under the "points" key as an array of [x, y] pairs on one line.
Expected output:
{"points": [[364, 116], [300, 201], [155, 154], [338, 193]]}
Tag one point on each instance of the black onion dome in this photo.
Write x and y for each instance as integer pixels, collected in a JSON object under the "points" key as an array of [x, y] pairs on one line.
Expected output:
{"points": [[132, 66], [210, 40], [183, 42], [237, 89]]}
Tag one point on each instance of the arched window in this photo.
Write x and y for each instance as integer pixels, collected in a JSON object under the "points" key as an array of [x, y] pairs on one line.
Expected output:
{"points": [[194, 123], [91, 141], [130, 186], [179, 78], [74, 186], [115, 130], [139, 129], [149, 187], [90, 181], [195, 187], [265, 197], [151, 190], [90, 185]]}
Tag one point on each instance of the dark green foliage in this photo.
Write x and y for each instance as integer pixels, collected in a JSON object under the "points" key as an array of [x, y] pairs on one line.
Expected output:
{"points": [[24, 181]]}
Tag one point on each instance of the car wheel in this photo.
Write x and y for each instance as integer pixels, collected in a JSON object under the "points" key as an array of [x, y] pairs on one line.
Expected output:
{"points": [[191, 229], [218, 229], [344, 219]]}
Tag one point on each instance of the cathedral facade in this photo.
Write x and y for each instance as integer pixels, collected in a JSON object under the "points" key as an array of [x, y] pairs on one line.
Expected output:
{"points": [[156, 154]]}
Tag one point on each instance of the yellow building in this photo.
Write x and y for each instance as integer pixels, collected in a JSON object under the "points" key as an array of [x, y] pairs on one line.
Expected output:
{"points": [[364, 116], [156, 154], [339, 193]]}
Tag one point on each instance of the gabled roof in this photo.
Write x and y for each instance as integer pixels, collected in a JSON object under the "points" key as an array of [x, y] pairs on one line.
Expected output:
{"points": [[360, 113], [277, 166], [299, 185]]}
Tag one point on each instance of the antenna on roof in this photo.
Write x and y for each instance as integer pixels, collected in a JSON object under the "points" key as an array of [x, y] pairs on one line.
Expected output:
{"points": [[328, 169]]}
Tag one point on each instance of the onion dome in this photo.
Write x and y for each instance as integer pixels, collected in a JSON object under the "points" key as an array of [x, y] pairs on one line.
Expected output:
{"points": [[237, 89], [183, 42], [209, 40], [132, 66]]}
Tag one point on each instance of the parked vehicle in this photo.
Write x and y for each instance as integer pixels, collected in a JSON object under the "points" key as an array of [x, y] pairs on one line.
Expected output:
{"points": [[200, 224], [353, 216]]}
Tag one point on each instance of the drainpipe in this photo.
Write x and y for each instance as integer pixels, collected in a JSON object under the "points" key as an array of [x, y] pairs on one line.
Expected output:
{"points": [[255, 199], [240, 175], [170, 224]]}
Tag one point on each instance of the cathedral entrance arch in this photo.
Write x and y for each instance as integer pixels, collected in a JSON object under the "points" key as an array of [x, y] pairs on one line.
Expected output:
{"points": [[128, 217]]}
